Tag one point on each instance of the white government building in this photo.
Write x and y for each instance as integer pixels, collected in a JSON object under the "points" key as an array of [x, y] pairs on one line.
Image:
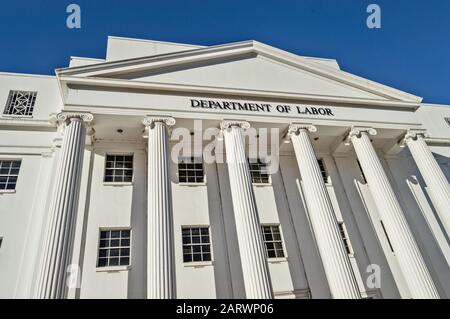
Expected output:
{"points": [[93, 204]]}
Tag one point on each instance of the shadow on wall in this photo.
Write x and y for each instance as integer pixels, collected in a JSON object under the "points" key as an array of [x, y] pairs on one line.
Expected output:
{"points": [[137, 275]]}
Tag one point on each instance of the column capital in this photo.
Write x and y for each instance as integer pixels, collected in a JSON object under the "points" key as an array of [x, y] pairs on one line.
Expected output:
{"points": [[357, 130], [65, 117], [415, 133], [295, 128], [225, 124], [149, 121]]}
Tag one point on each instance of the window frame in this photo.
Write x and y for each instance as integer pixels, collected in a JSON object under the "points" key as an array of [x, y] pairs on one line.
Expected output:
{"points": [[346, 239], [189, 158], [13, 159], [113, 183], [283, 243], [115, 267], [8, 100], [197, 263], [325, 169], [258, 161]]}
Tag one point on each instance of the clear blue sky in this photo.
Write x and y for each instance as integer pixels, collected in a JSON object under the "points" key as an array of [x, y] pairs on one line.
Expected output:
{"points": [[410, 52]]}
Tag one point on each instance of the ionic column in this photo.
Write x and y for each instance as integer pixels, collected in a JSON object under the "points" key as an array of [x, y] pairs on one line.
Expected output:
{"points": [[251, 247], [64, 205], [160, 240], [435, 179], [408, 254], [336, 263]]}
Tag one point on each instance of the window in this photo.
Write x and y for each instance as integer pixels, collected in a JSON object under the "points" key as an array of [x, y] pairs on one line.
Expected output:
{"points": [[362, 172], [258, 171], [1, 242], [196, 244], [20, 103], [447, 119], [272, 240], [190, 171], [323, 170], [114, 248], [119, 168], [344, 237], [9, 171]]}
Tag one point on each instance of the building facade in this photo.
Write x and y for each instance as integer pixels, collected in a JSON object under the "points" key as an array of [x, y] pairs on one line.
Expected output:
{"points": [[168, 170]]}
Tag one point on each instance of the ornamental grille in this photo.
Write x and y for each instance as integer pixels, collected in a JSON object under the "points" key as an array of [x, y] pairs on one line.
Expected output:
{"points": [[20, 103]]}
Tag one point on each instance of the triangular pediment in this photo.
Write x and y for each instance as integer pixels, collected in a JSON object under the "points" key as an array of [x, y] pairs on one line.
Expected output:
{"points": [[251, 73], [248, 66]]}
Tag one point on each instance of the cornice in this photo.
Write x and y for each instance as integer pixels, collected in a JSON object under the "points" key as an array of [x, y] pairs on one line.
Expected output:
{"points": [[237, 92]]}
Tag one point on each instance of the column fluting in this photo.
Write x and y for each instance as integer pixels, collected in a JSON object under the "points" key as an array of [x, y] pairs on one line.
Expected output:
{"points": [[405, 247], [58, 243], [251, 247], [336, 263], [160, 238]]}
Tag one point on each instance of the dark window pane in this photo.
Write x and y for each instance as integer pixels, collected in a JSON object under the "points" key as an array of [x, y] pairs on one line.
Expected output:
{"points": [[125, 233], [187, 258], [205, 239], [114, 253], [104, 243], [207, 257], [103, 253], [186, 240], [205, 248], [104, 234], [197, 257], [102, 262], [125, 242], [124, 261], [125, 252], [114, 261], [114, 243], [115, 233]]}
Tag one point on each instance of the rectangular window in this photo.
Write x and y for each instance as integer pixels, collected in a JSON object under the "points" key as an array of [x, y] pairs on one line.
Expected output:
{"points": [[273, 241], [196, 244], [323, 170], [20, 103], [114, 248], [9, 172], [258, 171], [191, 171], [119, 168], [344, 237], [447, 119], [362, 172]]}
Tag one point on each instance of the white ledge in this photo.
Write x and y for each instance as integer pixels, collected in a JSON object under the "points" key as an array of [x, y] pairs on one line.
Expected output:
{"points": [[113, 268], [7, 191], [117, 183], [198, 264]]}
